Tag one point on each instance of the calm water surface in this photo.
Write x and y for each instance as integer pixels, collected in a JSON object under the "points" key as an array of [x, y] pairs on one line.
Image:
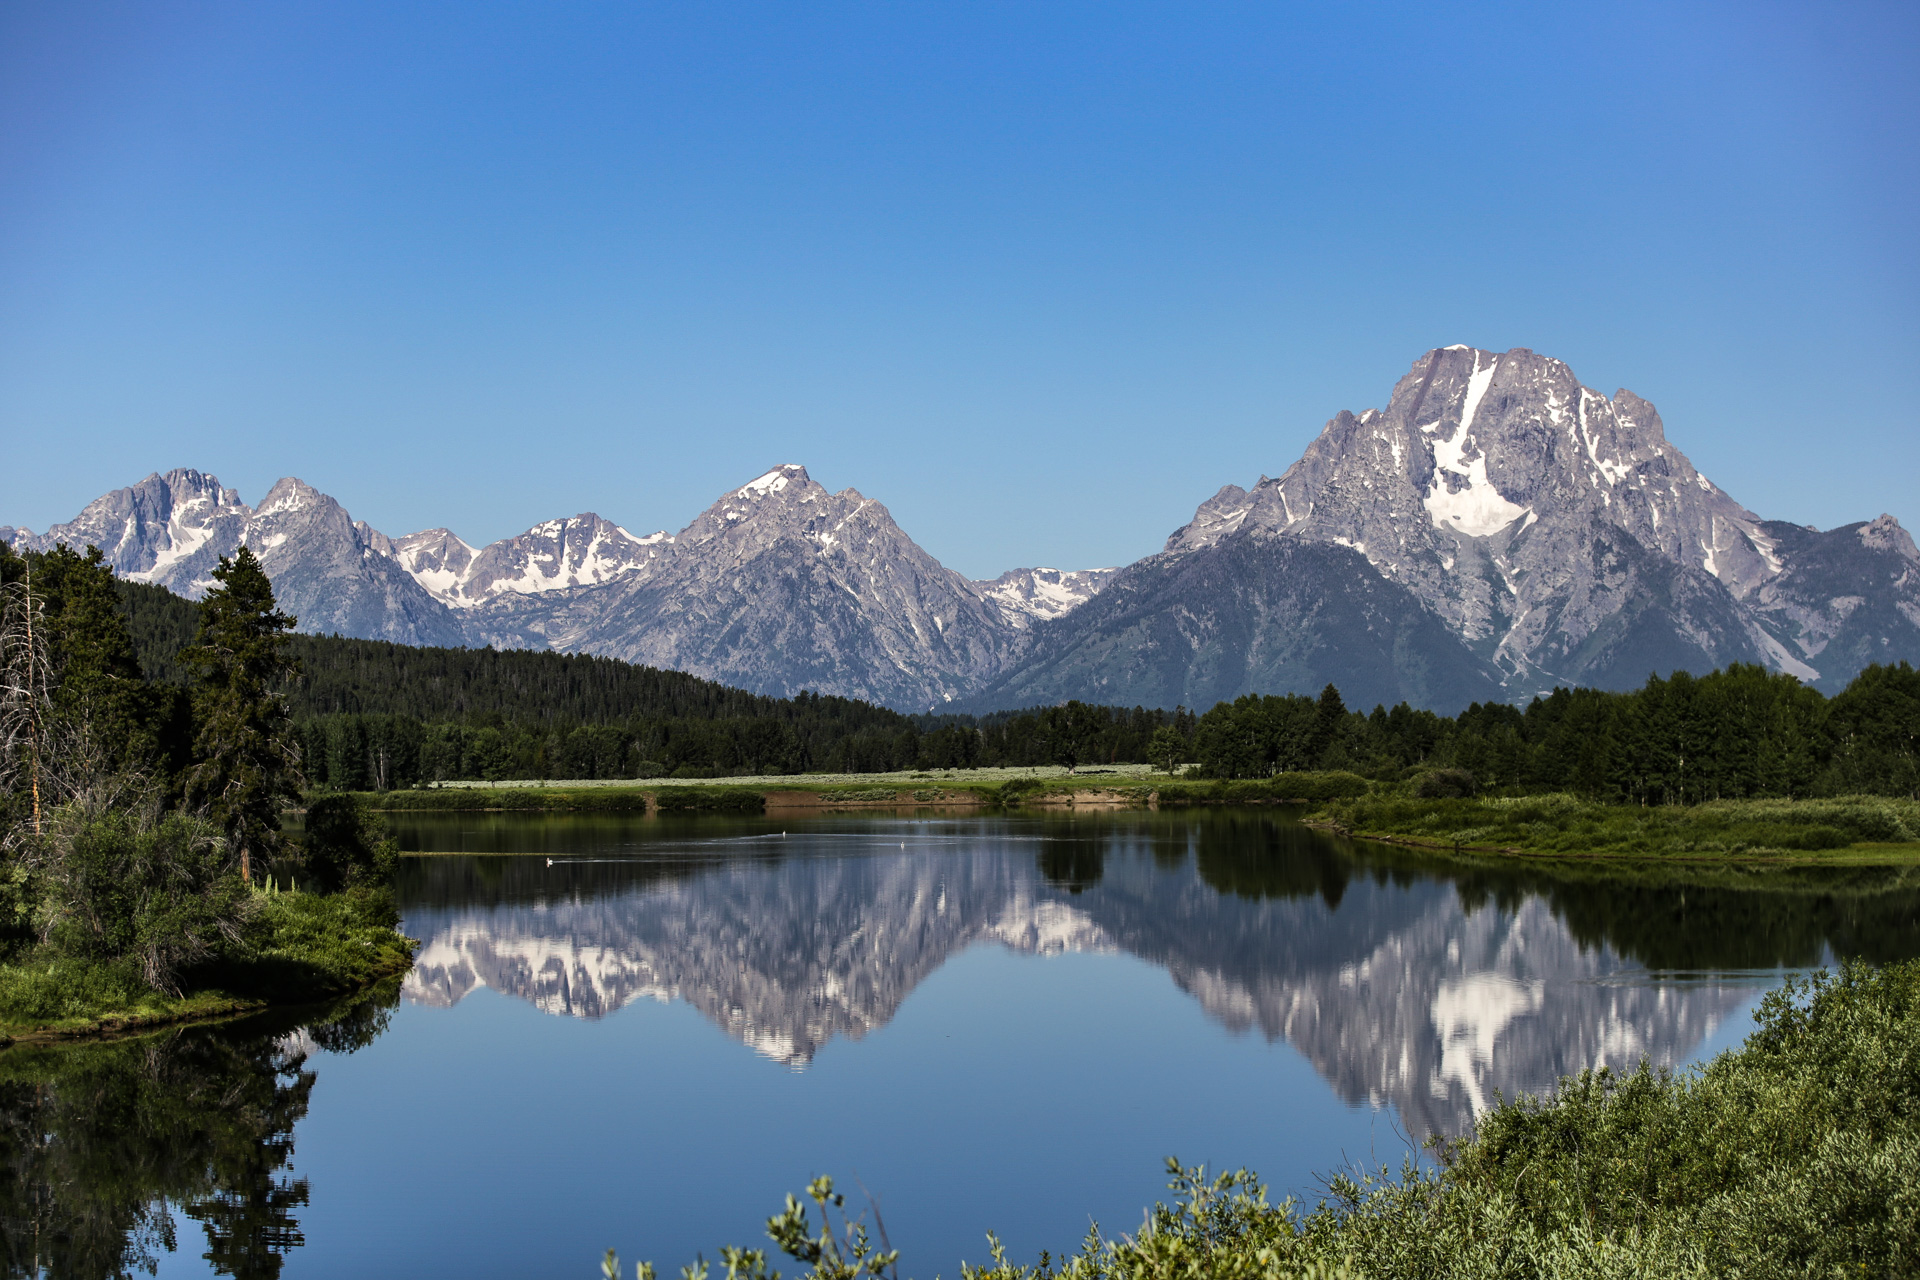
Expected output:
{"points": [[642, 1033]]}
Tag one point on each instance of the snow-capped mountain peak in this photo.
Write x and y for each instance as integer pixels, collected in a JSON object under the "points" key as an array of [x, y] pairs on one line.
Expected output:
{"points": [[555, 555], [1027, 595]]}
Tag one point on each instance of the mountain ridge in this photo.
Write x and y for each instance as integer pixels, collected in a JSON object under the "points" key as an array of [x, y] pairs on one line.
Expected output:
{"points": [[1498, 529]]}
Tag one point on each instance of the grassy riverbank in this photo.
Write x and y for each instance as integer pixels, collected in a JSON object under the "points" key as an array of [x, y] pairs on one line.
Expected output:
{"points": [[1862, 830], [1790, 1156], [1118, 786], [294, 948], [1857, 829]]}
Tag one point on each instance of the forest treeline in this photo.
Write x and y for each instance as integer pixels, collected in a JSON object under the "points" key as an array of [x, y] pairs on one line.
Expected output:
{"points": [[375, 715], [1741, 733]]}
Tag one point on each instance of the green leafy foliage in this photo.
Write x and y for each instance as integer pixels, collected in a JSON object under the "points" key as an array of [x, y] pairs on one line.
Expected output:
{"points": [[123, 885], [1560, 823], [1741, 733], [346, 844], [709, 799], [155, 892]]}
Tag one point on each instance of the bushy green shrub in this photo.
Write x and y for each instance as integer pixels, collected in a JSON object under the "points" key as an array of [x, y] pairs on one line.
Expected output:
{"points": [[346, 844], [709, 800], [1562, 823], [1444, 784], [488, 799], [1303, 786], [158, 892]]}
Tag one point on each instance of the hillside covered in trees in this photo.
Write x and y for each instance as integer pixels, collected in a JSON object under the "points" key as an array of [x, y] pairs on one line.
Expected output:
{"points": [[376, 715]]}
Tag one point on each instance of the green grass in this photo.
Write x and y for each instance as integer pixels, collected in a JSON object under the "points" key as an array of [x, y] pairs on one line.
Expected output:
{"points": [[1866, 829], [993, 777], [630, 798], [298, 948], [1135, 782], [1792, 1156]]}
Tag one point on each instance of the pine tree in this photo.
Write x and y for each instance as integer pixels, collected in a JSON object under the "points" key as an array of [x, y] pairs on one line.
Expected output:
{"points": [[105, 714], [246, 749], [1329, 717]]}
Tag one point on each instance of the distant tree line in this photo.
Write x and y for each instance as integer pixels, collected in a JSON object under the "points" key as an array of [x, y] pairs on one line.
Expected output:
{"points": [[375, 715], [1741, 733]]}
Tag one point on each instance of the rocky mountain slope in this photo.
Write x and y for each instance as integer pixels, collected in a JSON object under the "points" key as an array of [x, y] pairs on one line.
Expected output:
{"points": [[1555, 533], [1497, 529], [331, 572], [781, 586]]}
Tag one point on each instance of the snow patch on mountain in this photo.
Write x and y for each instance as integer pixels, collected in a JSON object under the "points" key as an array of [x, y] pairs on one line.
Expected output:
{"points": [[1026, 595]]}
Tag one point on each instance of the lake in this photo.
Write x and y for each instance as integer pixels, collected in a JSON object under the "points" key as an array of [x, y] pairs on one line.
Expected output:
{"points": [[643, 1032]]}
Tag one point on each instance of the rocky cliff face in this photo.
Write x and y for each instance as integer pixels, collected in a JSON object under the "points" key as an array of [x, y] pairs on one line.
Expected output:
{"points": [[333, 574], [1844, 598], [580, 551], [1272, 615], [1554, 532], [1025, 596], [777, 587]]}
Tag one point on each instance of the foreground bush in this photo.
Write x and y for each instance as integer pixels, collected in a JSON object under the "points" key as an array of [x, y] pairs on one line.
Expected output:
{"points": [[1797, 1155], [157, 893]]}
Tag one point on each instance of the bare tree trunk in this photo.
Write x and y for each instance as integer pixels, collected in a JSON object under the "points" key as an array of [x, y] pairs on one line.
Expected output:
{"points": [[32, 660]]}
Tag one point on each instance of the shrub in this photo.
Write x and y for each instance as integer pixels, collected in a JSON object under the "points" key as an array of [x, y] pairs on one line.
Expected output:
{"points": [[709, 799], [1791, 1156], [157, 892], [1444, 784], [347, 844]]}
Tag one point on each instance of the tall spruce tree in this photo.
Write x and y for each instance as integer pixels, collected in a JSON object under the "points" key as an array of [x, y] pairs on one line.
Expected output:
{"points": [[246, 749], [106, 715]]}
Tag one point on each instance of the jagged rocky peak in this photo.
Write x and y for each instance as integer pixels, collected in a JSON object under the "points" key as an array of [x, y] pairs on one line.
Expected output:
{"points": [[1478, 446], [783, 499], [579, 551], [1530, 513], [437, 559], [1885, 534], [1028, 595], [170, 528]]}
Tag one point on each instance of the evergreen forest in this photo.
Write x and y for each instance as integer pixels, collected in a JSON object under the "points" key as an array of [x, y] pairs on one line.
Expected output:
{"points": [[378, 716]]}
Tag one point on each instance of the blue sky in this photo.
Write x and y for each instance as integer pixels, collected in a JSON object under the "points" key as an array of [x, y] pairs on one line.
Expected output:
{"points": [[1038, 277]]}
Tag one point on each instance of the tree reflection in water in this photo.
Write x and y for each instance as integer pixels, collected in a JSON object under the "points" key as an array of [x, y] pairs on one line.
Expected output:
{"points": [[101, 1144]]}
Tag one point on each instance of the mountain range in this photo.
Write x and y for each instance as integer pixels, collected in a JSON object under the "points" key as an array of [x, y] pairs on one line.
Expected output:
{"points": [[1498, 529]]}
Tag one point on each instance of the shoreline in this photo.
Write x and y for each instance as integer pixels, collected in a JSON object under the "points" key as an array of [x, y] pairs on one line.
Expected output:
{"points": [[320, 948], [221, 1006], [1903, 854]]}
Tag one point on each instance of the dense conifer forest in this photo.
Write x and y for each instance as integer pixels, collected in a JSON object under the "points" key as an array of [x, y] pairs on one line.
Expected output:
{"points": [[375, 715]]}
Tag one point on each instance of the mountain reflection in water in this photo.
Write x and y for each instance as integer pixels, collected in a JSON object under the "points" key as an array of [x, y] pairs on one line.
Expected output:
{"points": [[1402, 978]]}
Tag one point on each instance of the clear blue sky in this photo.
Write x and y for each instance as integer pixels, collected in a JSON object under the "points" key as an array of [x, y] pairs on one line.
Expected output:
{"points": [[1040, 277]]}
